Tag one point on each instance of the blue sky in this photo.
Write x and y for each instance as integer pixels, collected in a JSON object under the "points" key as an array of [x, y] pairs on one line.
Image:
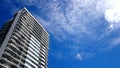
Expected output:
{"points": [[83, 33]]}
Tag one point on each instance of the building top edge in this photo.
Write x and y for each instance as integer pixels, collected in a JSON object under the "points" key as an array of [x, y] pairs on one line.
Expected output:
{"points": [[24, 8]]}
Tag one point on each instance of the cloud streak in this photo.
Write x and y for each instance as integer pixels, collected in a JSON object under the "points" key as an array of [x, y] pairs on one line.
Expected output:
{"points": [[78, 18], [77, 25]]}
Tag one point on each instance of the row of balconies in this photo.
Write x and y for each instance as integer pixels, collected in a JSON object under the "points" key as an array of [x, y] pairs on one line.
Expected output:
{"points": [[19, 44], [2, 64], [38, 36], [18, 48], [43, 52], [35, 59], [26, 24], [19, 59], [36, 28], [29, 29], [23, 31], [16, 39], [22, 35], [9, 60], [32, 62], [11, 63], [29, 22]]}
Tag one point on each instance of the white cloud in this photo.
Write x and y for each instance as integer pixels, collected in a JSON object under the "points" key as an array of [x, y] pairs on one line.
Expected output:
{"points": [[75, 18], [112, 15], [79, 57], [84, 55], [111, 11]]}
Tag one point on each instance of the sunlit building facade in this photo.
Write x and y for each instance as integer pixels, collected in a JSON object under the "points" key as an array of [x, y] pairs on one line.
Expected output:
{"points": [[24, 43]]}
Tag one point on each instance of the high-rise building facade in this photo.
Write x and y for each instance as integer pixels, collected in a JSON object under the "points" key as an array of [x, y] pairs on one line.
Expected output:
{"points": [[24, 43]]}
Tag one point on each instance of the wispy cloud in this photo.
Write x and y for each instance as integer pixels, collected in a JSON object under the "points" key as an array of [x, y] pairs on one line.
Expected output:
{"points": [[78, 17], [73, 21], [78, 26], [116, 41]]}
